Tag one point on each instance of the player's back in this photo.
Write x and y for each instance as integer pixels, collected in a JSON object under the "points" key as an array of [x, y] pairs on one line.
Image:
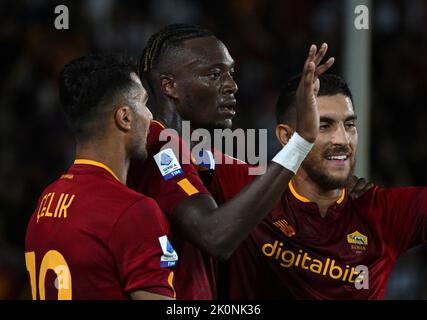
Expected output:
{"points": [[73, 237]]}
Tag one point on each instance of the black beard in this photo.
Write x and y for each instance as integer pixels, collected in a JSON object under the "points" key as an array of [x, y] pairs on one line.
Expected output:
{"points": [[324, 181]]}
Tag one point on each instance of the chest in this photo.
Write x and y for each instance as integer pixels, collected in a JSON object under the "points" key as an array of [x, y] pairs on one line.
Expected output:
{"points": [[292, 237]]}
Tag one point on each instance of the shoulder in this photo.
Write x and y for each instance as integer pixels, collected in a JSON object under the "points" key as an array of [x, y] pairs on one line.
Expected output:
{"points": [[141, 218], [392, 199], [144, 204], [229, 177], [398, 193], [117, 198], [52, 186], [160, 135], [227, 167], [138, 202]]}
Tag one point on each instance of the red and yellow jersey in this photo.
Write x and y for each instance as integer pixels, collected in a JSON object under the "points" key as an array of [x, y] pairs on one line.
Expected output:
{"points": [[294, 253], [168, 179], [91, 237], [229, 177]]}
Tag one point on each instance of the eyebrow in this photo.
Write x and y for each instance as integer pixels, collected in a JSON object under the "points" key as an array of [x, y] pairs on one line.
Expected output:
{"points": [[331, 120], [219, 65], [224, 65]]}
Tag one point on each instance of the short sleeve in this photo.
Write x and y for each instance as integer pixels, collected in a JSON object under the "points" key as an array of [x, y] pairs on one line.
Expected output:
{"points": [[168, 175], [404, 220], [144, 255]]}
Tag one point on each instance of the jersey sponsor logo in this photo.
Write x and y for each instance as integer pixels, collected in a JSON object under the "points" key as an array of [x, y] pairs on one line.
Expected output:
{"points": [[285, 227], [169, 257], [168, 164], [357, 241], [304, 261]]}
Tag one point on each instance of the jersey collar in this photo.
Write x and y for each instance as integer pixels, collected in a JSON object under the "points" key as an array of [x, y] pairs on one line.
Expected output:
{"points": [[304, 199], [159, 123], [96, 164]]}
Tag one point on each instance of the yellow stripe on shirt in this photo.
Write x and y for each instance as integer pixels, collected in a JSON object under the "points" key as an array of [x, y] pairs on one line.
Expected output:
{"points": [[187, 187]]}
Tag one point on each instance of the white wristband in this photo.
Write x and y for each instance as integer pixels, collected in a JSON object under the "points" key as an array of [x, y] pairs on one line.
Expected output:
{"points": [[293, 153]]}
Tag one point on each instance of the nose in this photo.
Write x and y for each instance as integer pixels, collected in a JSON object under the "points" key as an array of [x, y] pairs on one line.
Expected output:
{"points": [[230, 86], [340, 135]]}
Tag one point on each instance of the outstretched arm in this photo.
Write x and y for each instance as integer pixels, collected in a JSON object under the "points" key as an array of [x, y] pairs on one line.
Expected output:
{"points": [[219, 230]]}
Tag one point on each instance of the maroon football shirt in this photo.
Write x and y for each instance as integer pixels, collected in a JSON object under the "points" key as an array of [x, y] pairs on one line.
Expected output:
{"points": [[91, 237], [170, 181], [294, 253]]}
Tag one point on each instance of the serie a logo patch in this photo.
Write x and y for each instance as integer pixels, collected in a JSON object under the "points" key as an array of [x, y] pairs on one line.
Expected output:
{"points": [[168, 164], [169, 257]]}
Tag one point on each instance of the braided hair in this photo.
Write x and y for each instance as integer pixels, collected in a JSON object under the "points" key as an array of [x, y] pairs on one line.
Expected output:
{"points": [[168, 38]]}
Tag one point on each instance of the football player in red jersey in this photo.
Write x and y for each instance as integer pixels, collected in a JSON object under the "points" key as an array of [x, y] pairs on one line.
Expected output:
{"points": [[91, 237], [190, 76], [319, 243]]}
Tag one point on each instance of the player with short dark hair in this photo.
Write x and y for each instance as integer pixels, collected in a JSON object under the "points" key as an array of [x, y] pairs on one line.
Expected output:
{"points": [[319, 243], [90, 236], [285, 107], [190, 76]]}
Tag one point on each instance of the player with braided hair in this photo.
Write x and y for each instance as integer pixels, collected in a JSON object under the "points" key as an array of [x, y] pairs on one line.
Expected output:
{"points": [[190, 76]]}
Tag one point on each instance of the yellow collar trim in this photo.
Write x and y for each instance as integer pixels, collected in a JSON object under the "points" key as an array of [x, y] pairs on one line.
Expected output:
{"points": [[304, 199], [96, 164], [341, 197], [296, 194], [159, 123]]}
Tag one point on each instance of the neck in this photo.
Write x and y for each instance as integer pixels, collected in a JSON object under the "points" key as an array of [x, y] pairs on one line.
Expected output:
{"points": [[312, 191], [167, 114], [107, 153]]}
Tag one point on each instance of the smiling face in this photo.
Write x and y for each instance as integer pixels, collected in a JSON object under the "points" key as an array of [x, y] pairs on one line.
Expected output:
{"points": [[331, 161], [204, 82]]}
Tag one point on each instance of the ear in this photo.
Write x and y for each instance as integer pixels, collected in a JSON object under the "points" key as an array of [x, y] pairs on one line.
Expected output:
{"points": [[123, 117], [283, 133], [169, 85]]}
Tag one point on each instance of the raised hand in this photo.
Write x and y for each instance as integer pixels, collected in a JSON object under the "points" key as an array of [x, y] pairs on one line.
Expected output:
{"points": [[307, 124]]}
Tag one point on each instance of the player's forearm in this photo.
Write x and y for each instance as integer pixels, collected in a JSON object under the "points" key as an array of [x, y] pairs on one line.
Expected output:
{"points": [[232, 222], [219, 230]]}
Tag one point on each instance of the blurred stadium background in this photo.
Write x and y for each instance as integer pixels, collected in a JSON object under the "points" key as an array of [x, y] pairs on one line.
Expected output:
{"points": [[267, 39]]}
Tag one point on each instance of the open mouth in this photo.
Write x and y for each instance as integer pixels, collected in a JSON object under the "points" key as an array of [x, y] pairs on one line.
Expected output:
{"points": [[338, 157], [338, 160], [228, 109]]}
